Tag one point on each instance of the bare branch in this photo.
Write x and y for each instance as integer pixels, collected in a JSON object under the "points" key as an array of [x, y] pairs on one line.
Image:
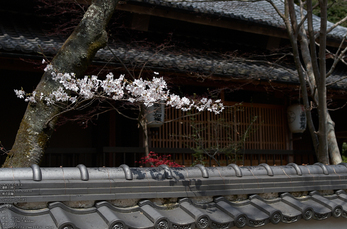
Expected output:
{"points": [[143, 66], [312, 50], [303, 17], [339, 108], [336, 81], [337, 59], [125, 67], [337, 24], [277, 10], [121, 113]]}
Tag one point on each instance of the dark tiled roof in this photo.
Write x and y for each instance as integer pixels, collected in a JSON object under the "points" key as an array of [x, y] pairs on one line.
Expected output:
{"points": [[21, 38], [24, 37], [16, 38], [259, 12], [204, 196]]}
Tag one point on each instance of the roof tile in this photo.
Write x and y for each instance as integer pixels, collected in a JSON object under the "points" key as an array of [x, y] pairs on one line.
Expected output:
{"points": [[20, 38], [22, 185]]}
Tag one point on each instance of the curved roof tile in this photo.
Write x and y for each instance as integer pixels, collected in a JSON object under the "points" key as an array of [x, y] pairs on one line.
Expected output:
{"points": [[59, 187]]}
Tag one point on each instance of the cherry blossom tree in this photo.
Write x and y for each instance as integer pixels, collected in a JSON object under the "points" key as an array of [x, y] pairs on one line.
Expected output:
{"points": [[63, 87], [74, 56]]}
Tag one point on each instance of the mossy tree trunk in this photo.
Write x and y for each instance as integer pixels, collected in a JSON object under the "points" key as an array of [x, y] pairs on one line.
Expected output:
{"points": [[75, 56]]}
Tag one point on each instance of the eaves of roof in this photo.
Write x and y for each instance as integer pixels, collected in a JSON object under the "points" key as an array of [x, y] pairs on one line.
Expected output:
{"points": [[204, 196], [258, 12]]}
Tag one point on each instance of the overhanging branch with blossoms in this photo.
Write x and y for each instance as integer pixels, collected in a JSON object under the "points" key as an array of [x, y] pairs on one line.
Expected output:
{"points": [[80, 93], [74, 91]]}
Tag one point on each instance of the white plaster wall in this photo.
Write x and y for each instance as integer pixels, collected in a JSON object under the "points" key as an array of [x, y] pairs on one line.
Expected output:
{"points": [[330, 223]]}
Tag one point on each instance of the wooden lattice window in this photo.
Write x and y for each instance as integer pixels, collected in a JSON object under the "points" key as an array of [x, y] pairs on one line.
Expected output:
{"points": [[268, 131]]}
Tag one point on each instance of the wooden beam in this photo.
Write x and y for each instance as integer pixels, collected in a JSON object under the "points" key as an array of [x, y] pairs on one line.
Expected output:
{"points": [[140, 22]]}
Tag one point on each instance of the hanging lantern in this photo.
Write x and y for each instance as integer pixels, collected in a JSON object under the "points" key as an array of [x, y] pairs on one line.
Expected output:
{"points": [[296, 118], [155, 115]]}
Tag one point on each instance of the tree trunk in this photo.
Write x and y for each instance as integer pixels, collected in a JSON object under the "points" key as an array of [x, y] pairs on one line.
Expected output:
{"points": [[334, 151], [324, 140], [75, 56], [321, 87]]}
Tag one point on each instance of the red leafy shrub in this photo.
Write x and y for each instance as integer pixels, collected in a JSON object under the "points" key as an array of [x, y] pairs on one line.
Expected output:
{"points": [[155, 160]]}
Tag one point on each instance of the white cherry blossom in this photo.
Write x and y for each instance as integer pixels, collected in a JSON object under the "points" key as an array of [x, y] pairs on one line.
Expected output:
{"points": [[20, 93], [142, 91]]}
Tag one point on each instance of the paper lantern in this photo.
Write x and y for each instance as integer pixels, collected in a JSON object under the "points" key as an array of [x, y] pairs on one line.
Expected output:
{"points": [[296, 118], [155, 115]]}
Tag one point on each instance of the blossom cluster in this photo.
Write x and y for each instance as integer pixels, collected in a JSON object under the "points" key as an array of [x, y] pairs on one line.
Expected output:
{"points": [[155, 160], [147, 92]]}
